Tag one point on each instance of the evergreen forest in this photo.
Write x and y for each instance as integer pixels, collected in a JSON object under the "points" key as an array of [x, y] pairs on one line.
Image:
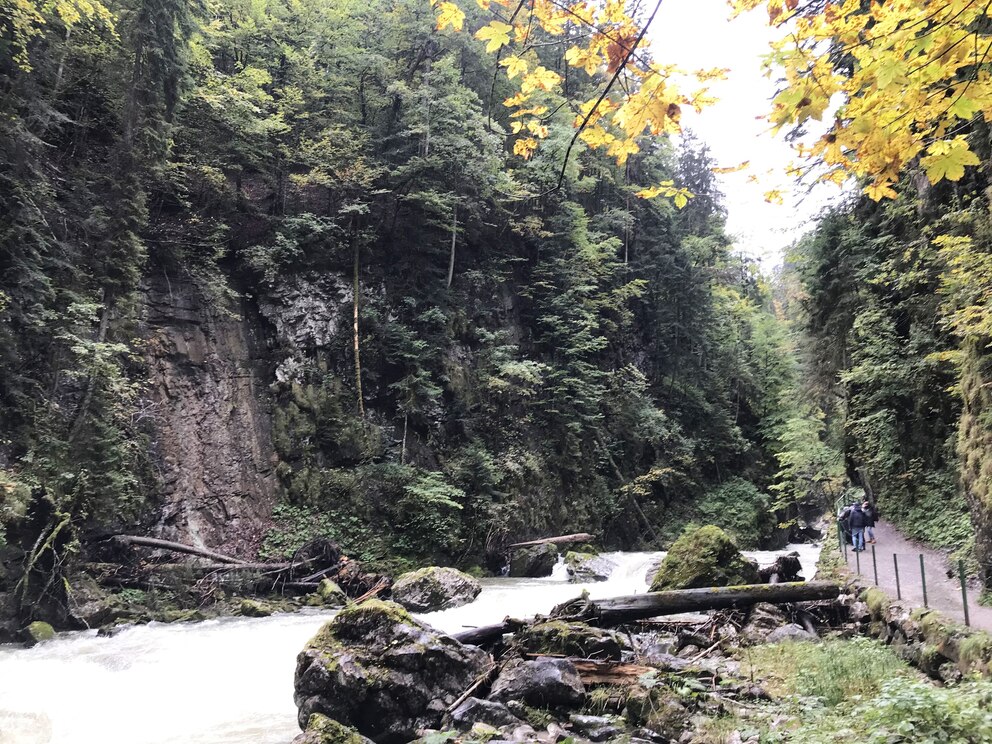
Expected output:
{"points": [[273, 270]]}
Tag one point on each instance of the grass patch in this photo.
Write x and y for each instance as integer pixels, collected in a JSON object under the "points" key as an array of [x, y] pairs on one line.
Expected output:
{"points": [[859, 690], [831, 672], [904, 710]]}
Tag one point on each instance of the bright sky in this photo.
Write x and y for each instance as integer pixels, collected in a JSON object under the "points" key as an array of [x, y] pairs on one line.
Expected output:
{"points": [[697, 34]]}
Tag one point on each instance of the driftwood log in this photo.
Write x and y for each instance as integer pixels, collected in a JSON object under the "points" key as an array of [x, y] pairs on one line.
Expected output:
{"points": [[154, 542], [629, 608], [559, 540]]}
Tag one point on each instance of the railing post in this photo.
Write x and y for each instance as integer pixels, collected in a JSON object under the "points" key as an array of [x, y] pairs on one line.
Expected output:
{"points": [[923, 580], [857, 560], [895, 562], [964, 591], [874, 564]]}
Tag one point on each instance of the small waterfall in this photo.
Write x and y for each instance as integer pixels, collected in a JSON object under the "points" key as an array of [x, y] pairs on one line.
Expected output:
{"points": [[560, 571]]}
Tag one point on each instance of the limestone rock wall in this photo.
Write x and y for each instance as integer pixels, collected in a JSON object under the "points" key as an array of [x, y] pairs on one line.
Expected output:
{"points": [[212, 446]]}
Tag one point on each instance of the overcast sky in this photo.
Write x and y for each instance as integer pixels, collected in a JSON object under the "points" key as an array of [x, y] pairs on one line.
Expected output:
{"points": [[698, 34]]}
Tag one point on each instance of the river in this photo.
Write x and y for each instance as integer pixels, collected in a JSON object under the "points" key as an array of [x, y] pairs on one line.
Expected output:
{"points": [[230, 681]]}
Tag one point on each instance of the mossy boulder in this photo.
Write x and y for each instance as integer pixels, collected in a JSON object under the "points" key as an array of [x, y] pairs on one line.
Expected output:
{"points": [[585, 567], [382, 672], [534, 562], [253, 608], [704, 557], [435, 588], [558, 638], [37, 632], [328, 594], [324, 730]]}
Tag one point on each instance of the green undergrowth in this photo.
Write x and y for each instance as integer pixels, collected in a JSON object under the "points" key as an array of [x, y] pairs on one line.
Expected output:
{"points": [[829, 672], [859, 690]]}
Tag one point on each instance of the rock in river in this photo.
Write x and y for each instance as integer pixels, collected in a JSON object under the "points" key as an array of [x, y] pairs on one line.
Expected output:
{"points": [[585, 567], [385, 674], [704, 557], [534, 562], [435, 588]]}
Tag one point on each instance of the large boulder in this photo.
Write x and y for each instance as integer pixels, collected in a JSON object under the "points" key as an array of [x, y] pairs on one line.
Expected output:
{"points": [[534, 562], [586, 567], [435, 588], [704, 557], [380, 671], [543, 682]]}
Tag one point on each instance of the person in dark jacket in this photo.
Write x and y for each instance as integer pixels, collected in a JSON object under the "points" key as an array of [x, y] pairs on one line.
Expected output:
{"points": [[871, 515], [857, 523]]}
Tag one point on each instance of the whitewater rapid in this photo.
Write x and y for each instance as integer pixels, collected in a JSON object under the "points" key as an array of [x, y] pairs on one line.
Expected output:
{"points": [[230, 681]]}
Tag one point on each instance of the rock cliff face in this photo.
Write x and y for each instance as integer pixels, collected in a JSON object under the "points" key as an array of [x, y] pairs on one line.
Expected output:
{"points": [[212, 443]]}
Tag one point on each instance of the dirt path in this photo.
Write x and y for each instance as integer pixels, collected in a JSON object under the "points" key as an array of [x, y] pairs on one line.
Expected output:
{"points": [[943, 593]]}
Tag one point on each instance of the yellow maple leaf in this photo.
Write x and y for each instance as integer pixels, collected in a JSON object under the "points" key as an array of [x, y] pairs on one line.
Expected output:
{"points": [[947, 159], [537, 129], [774, 196], [595, 136], [496, 34], [514, 66], [880, 190], [541, 78], [450, 14], [525, 147]]}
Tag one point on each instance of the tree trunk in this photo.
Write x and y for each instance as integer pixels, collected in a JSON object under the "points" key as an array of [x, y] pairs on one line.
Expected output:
{"points": [[560, 540], [454, 240], [358, 360], [154, 542]]}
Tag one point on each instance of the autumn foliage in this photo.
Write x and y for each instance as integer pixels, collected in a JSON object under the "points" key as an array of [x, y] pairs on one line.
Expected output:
{"points": [[884, 85]]}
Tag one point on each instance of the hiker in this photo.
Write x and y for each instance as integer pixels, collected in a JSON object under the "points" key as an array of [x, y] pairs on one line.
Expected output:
{"points": [[857, 522], [871, 516], [842, 523]]}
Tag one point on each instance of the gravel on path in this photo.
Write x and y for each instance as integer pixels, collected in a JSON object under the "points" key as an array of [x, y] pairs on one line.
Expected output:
{"points": [[943, 592]]}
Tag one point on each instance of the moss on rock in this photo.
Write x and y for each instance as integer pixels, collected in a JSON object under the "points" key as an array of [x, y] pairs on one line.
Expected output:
{"points": [[559, 638], [253, 608], [704, 557], [878, 602], [324, 730], [37, 632]]}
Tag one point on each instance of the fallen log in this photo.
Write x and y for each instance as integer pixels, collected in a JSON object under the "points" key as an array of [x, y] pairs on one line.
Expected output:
{"points": [[486, 633], [625, 609], [154, 542], [595, 672], [633, 607], [559, 540]]}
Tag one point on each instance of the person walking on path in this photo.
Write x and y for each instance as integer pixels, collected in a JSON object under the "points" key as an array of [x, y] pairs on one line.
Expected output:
{"points": [[871, 515], [857, 522]]}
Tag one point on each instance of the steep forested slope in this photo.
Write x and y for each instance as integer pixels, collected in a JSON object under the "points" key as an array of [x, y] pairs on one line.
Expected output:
{"points": [[896, 308], [270, 270]]}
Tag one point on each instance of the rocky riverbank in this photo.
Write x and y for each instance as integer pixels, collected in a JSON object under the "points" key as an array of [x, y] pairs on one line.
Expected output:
{"points": [[376, 673]]}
